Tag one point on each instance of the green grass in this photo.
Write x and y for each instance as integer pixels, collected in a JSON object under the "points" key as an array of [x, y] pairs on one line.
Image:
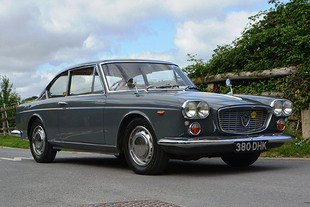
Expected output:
{"points": [[298, 148], [15, 142]]}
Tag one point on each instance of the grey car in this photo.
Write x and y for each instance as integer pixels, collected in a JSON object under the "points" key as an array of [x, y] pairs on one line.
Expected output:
{"points": [[148, 112]]}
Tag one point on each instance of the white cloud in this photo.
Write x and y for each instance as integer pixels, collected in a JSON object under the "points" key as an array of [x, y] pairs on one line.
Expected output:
{"points": [[35, 33], [203, 37]]}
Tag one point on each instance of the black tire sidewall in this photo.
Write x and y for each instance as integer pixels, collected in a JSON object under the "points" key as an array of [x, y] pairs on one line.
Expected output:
{"points": [[240, 160], [159, 159], [49, 153]]}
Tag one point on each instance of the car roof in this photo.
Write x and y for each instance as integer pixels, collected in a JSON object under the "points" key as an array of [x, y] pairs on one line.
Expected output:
{"points": [[119, 61], [110, 61]]}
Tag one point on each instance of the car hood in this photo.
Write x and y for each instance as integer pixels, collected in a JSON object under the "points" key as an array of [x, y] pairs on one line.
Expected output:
{"points": [[214, 100]]}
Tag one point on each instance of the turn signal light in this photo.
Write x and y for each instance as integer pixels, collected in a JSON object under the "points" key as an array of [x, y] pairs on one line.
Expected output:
{"points": [[194, 128], [281, 124]]}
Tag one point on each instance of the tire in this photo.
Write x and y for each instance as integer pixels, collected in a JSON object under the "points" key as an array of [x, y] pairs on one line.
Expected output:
{"points": [[141, 151], [41, 150], [240, 160]]}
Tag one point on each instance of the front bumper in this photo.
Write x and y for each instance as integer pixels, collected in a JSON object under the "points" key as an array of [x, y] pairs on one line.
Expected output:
{"points": [[218, 145]]}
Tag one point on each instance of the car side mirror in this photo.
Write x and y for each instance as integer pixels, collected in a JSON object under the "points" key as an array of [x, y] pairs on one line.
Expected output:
{"points": [[228, 84]]}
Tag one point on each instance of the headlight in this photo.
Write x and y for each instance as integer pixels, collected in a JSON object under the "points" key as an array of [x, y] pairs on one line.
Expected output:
{"points": [[190, 109], [196, 109], [277, 107], [203, 109], [287, 108]]}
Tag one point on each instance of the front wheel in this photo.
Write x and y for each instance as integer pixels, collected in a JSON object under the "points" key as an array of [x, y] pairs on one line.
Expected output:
{"points": [[141, 151], [41, 150], [240, 160]]}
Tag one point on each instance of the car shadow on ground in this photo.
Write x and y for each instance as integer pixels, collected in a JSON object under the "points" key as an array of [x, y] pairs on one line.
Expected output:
{"points": [[104, 161], [216, 166], [203, 167]]}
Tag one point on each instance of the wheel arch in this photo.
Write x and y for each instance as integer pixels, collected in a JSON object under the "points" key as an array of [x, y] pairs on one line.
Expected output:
{"points": [[30, 122], [125, 121]]}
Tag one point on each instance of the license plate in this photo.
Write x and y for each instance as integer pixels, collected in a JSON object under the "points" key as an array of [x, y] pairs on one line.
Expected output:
{"points": [[251, 146]]}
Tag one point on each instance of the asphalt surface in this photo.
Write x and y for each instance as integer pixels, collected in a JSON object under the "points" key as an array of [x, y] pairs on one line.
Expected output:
{"points": [[83, 179]]}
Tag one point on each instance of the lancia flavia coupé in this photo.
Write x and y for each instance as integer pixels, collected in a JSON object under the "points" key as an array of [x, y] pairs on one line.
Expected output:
{"points": [[147, 112]]}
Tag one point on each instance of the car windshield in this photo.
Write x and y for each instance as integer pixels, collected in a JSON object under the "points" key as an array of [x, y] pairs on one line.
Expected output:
{"points": [[132, 76]]}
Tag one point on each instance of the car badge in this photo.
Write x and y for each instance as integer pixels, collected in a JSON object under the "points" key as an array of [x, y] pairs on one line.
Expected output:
{"points": [[253, 114], [245, 120]]}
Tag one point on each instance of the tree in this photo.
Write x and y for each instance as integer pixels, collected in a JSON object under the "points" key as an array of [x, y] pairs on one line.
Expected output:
{"points": [[7, 95], [276, 37]]}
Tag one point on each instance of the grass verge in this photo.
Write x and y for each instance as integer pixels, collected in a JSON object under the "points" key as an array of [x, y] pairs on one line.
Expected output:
{"points": [[15, 142], [298, 148]]}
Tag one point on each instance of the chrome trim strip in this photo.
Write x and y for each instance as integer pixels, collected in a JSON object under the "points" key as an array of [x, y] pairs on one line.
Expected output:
{"points": [[211, 141], [103, 107], [80, 143]]}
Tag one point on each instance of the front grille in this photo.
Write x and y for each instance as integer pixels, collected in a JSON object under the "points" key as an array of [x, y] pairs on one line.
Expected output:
{"points": [[243, 120]]}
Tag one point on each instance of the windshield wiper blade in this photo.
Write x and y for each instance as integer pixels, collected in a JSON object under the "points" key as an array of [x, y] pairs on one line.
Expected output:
{"points": [[150, 86], [168, 86], [191, 87]]}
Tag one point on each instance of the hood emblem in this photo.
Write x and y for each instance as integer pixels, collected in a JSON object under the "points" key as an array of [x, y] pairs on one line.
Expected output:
{"points": [[245, 119]]}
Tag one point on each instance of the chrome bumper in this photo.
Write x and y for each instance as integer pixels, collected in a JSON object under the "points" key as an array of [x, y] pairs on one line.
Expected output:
{"points": [[20, 134], [224, 140]]}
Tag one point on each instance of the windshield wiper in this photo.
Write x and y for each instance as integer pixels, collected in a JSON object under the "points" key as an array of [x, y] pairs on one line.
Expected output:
{"points": [[150, 86], [162, 86], [191, 87], [168, 86]]}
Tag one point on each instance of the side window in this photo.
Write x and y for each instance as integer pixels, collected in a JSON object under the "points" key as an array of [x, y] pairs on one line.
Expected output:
{"points": [[97, 84], [81, 81], [59, 87]]}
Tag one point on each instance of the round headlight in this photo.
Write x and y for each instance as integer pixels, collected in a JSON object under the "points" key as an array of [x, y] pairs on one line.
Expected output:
{"points": [[287, 107], [203, 109], [277, 108], [190, 109]]}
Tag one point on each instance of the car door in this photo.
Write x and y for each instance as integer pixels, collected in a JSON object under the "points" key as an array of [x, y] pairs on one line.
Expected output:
{"points": [[47, 107], [81, 120]]}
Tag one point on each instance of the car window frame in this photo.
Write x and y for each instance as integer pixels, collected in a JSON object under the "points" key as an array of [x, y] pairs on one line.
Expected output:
{"points": [[46, 91], [95, 70], [175, 68]]}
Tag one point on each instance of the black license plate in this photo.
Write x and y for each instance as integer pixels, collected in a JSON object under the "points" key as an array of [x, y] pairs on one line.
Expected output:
{"points": [[251, 146]]}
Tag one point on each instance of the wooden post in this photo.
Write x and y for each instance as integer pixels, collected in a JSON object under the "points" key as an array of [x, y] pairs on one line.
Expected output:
{"points": [[305, 121], [210, 87], [3, 125]]}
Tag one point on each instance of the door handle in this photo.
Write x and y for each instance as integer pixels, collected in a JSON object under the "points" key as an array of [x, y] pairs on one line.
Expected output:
{"points": [[62, 103]]}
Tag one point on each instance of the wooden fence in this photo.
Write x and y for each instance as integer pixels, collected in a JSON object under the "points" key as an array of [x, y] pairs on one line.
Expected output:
{"points": [[6, 128], [211, 81]]}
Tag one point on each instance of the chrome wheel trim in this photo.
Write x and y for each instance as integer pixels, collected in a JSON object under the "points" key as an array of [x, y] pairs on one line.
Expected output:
{"points": [[140, 146], [38, 140]]}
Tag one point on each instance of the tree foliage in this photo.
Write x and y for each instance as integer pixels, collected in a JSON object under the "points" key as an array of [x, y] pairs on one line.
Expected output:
{"points": [[274, 38], [7, 96]]}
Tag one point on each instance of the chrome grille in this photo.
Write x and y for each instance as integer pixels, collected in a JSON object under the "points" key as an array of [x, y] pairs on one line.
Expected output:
{"points": [[243, 120]]}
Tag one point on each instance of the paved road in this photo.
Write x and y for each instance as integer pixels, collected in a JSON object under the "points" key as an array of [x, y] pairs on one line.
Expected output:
{"points": [[77, 179]]}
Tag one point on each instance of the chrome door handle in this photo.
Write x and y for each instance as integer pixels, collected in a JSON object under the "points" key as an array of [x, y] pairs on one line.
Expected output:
{"points": [[62, 103]]}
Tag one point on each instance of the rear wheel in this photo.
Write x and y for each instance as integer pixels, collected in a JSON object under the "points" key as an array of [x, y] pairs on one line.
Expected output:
{"points": [[141, 151], [240, 160], [41, 150]]}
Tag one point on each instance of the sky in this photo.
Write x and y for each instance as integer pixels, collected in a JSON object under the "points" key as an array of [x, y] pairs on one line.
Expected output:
{"points": [[40, 38]]}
